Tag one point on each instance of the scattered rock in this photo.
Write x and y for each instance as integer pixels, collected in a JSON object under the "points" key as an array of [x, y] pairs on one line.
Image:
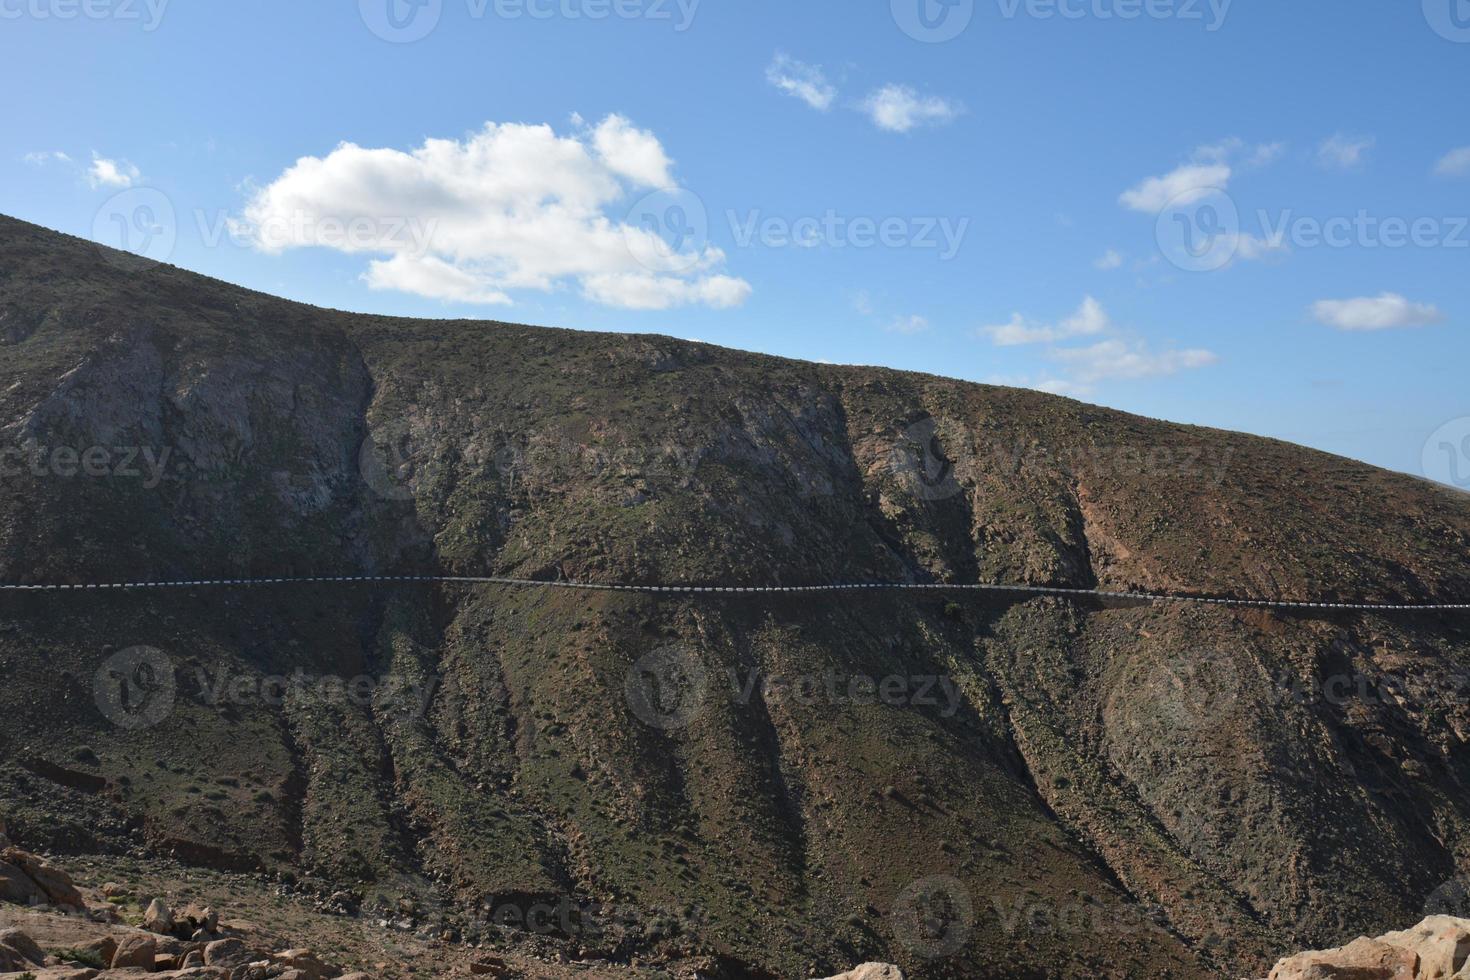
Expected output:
{"points": [[135, 951], [228, 952], [303, 961]]}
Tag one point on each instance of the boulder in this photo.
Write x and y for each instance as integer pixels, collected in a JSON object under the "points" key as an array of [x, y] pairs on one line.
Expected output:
{"points": [[104, 948], [159, 918], [54, 882], [871, 971], [229, 953], [18, 887], [18, 952], [303, 961], [135, 951], [1362, 959]]}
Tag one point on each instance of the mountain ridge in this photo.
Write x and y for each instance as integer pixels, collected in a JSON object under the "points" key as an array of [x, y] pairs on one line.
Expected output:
{"points": [[1145, 772]]}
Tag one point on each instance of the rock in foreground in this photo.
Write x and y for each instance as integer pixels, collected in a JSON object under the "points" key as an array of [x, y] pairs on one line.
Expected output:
{"points": [[1436, 949]]}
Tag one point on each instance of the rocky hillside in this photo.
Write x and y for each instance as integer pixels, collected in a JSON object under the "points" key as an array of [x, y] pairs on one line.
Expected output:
{"points": [[960, 785]]}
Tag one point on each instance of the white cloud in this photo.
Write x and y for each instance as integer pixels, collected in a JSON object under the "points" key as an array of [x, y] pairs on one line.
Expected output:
{"points": [[1118, 359], [1456, 163], [1110, 260], [1180, 187], [1383, 312], [632, 153], [45, 157], [908, 325], [1210, 167], [510, 207], [112, 173], [645, 291], [1089, 320], [1343, 152], [427, 275], [899, 109], [800, 80], [1051, 386]]}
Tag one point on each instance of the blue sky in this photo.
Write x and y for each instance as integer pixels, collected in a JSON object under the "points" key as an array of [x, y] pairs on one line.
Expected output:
{"points": [[1246, 215]]}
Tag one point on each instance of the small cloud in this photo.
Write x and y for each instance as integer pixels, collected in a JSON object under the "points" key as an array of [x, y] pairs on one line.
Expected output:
{"points": [[1051, 386], [1118, 359], [863, 303], [1181, 186], [45, 157], [802, 81], [1385, 312], [112, 173], [1110, 260], [1456, 163], [1210, 168], [1343, 152], [908, 325], [1089, 320], [900, 109]]}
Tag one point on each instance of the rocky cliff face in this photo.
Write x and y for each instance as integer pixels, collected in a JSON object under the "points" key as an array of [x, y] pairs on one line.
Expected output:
{"points": [[958, 785]]}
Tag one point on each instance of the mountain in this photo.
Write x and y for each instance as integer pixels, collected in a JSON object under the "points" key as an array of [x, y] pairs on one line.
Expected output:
{"points": [[964, 784]]}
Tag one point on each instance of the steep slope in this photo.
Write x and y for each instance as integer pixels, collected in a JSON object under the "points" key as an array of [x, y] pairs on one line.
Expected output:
{"points": [[1048, 789]]}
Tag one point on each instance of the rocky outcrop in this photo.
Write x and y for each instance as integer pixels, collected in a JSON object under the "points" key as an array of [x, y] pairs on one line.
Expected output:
{"points": [[26, 879], [871, 971], [1436, 949]]}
